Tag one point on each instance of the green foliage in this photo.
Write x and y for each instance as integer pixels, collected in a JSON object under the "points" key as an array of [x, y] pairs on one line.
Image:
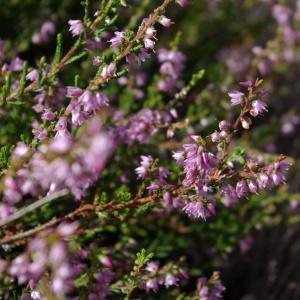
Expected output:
{"points": [[134, 279]]}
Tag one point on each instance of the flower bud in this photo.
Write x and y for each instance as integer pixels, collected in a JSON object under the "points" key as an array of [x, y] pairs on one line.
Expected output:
{"points": [[246, 122], [224, 125], [215, 137]]}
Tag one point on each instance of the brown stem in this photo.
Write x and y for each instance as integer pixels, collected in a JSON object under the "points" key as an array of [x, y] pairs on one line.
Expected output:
{"points": [[86, 208]]}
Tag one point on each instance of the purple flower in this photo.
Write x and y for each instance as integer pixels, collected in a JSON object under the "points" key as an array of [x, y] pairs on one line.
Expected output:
{"points": [[168, 200], [73, 91], [57, 253], [78, 117], [107, 261], [241, 189], [76, 27], [94, 45], [246, 122], [40, 133], [224, 125], [263, 92], [6, 210], [212, 289], [101, 288], [252, 185], [88, 101], [101, 99], [258, 108], [229, 195], [151, 285], [96, 61], [48, 116], [33, 76], [198, 165], [47, 29], [182, 3], [12, 194], [150, 33], [263, 181], [16, 64], [61, 124], [172, 64], [152, 267], [215, 137], [21, 150], [108, 71], [144, 167], [277, 171], [281, 14], [236, 97], [67, 229], [170, 280], [117, 40], [197, 209], [149, 44], [246, 83], [61, 144], [164, 21]]}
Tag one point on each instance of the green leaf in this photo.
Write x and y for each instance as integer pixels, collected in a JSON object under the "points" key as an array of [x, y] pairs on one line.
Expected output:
{"points": [[58, 50], [77, 57], [23, 79]]}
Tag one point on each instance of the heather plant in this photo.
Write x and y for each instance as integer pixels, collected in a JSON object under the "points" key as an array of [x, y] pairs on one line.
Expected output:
{"points": [[127, 169]]}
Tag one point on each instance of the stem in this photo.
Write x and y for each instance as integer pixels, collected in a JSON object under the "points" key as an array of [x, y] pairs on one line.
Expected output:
{"points": [[139, 35], [20, 213], [79, 211]]}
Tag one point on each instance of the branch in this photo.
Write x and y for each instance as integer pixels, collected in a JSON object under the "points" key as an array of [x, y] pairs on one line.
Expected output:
{"points": [[139, 35], [79, 211], [20, 213]]}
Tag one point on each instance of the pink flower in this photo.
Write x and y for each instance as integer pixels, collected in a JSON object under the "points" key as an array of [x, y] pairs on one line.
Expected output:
{"points": [[197, 210], [149, 44], [48, 116], [236, 97], [108, 71], [142, 170], [224, 125], [76, 27], [73, 91], [182, 3], [215, 137], [164, 21], [258, 108], [246, 83], [33, 76], [170, 280], [117, 40]]}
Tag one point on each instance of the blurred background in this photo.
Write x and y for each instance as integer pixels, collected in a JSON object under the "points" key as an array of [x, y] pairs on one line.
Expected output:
{"points": [[233, 40]]}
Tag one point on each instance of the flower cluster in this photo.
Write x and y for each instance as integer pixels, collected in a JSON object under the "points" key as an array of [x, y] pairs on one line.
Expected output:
{"points": [[141, 126], [62, 134], [73, 164], [172, 64], [83, 104], [211, 289], [169, 275], [48, 259]]}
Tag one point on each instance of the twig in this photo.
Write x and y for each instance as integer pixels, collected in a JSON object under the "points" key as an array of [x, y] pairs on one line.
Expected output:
{"points": [[139, 35], [84, 208], [53, 222], [33, 86], [20, 213]]}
